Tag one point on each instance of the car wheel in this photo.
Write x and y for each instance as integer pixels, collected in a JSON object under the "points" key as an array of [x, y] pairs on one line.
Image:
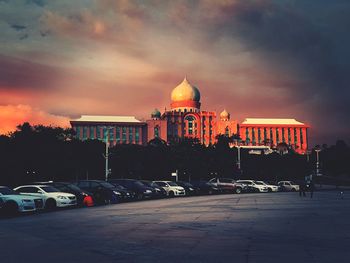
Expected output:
{"points": [[11, 208], [139, 196], [171, 194], [238, 190], [294, 190], [50, 204], [269, 190]]}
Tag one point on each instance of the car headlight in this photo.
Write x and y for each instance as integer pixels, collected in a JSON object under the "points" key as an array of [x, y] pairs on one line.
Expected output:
{"points": [[191, 189], [117, 193], [61, 197], [148, 191]]}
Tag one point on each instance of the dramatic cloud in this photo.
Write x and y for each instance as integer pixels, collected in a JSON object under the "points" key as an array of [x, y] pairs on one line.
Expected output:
{"points": [[256, 58], [13, 115]]}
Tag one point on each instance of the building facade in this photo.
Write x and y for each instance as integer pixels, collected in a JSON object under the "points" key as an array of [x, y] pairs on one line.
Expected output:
{"points": [[186, 119], [114, 129], [272, 132]]}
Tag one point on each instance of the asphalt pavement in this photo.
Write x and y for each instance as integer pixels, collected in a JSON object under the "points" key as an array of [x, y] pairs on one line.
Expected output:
{"points": [[273, 227]]}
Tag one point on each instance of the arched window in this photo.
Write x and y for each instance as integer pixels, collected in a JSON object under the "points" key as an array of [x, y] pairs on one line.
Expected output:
{"points": [[156, 132], [190, 124]]}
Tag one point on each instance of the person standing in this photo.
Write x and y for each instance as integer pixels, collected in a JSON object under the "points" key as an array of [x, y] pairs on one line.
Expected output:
{"points": [[302, 187], [311, 188]]}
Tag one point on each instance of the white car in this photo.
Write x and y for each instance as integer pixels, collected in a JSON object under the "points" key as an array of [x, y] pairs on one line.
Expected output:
{"points": [[255, 187], [270, 187], [171, 188], [288, 186], [14, 202], [52, 197]]}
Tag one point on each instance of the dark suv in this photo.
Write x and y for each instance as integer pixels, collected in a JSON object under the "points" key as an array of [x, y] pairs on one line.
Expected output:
{"points": [[158, 192], [189, 188], [205, 188], [142, 191], [103, 192]]}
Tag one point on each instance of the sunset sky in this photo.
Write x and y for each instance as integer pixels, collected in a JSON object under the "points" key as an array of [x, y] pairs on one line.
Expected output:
{"points": [[263, 58]]}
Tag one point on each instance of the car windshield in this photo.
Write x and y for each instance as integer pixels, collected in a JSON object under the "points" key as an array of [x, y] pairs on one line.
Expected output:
{"points": [[291, 182], [147, 183], [120, 187], [7, 191], [172, 184], [259, 183], [73, 187], [49, 189], [155, 184], [107, 185], [138, 183]]}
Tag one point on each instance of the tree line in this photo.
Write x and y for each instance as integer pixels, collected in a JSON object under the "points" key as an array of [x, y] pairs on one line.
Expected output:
{"points": [[42, 153]]}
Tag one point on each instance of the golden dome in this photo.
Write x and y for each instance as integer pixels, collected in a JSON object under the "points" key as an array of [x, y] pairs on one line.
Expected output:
{"points": [[224, 115], [185, 91]]}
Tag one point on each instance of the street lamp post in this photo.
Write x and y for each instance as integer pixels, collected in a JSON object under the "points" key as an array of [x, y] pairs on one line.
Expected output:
{"points": [[106, 155], [317, 161], [239, 157]]}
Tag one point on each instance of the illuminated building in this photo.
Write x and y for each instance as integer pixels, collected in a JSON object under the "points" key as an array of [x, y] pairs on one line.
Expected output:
{"points": [[186, 119]]}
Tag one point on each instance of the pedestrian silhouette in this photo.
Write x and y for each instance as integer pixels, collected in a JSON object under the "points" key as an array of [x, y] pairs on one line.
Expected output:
{"points": [[311, 188], [302, 187]]}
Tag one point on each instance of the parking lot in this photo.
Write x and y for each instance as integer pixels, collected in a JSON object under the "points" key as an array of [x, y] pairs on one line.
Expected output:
{"points": [[275, 227]]}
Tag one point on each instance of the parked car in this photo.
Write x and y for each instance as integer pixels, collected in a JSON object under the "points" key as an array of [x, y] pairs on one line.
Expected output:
{"points": [[2, 202], [228, 185], [288, 186], [52, 197], [127, 194], [205, 188], [158, 191], [270, 187], [12, 202], [189, 188], [84, 198], [103, 192], [141, 191], [253, 186], [171, 188]]}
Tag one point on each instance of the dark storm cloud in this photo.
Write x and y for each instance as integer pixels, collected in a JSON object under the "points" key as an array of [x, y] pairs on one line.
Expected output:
{"points": [[18, 27], [301, 38]]}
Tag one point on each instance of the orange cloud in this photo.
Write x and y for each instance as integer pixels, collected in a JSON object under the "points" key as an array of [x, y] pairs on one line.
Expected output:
{"points": [[12, 115]]}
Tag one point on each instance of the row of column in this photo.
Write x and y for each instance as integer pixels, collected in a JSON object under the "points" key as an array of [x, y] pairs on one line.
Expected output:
{"points": [[117, 134], [275, 135]]}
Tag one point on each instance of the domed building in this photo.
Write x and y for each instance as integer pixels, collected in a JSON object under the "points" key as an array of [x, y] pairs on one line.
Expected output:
{"points": [[185, 97], [186, 119], [155, 114]]}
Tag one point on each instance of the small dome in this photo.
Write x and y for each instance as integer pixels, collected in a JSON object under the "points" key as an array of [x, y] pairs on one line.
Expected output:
{"points": [[155, 114], [185, 91], [224, 115]]}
